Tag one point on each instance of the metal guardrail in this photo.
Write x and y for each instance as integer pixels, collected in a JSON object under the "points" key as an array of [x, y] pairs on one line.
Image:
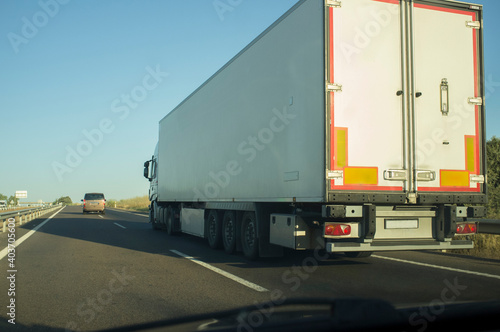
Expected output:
{"points": [[487, 226], [26, 215]]}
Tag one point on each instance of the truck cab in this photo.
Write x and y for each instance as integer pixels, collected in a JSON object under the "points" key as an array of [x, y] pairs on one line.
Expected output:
{"points": [[150, 173]]}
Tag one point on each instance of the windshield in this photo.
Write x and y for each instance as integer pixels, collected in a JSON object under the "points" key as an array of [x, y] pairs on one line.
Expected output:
{"points": [[91, 197], [304, 152]]}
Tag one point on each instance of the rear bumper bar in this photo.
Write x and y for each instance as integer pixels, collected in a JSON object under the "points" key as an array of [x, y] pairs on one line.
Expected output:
{"points": [[397, 245]]}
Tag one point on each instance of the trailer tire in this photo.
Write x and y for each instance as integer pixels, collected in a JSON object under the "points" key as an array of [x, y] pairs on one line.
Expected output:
{"points": [[249, 237], [161, 216], [214, 229], [358, 254], [229, 231], [170, 220]]}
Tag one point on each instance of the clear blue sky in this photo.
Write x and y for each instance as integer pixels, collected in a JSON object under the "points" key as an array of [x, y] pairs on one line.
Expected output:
{"points": [[68, 66]]}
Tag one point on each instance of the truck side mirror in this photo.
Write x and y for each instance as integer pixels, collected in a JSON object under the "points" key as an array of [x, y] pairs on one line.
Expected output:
{"points": [[146, 170]]}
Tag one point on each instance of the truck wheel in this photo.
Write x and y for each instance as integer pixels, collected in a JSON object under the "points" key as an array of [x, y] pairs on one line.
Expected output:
{"points": [[249, 238], [229, 231], [214, 229], [153, 216], [358, 254]]}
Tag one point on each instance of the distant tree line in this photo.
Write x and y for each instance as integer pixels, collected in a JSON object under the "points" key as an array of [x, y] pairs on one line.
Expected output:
{"points": [[12, 200], [66, 200]]}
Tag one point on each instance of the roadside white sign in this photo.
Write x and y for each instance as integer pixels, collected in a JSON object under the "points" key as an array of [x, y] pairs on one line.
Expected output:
{"points": [[22, 194]]}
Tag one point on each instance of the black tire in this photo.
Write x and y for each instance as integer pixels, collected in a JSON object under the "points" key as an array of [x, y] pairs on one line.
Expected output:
{"points": [[358, 254], [155, 215], [163, 216], [103, 212], [169, 220], [249, 236], [229, 231], [214, 229], [152, 215]]}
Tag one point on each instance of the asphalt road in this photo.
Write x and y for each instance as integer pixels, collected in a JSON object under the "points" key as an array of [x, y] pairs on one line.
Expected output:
{"points": [[88, 272]]}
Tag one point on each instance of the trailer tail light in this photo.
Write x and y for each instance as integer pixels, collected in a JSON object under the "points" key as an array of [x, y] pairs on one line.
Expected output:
{"points": [[337, 229], [466, 228]]}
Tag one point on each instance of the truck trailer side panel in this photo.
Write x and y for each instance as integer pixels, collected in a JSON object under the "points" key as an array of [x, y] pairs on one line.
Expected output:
{"points": [[255, 131]]}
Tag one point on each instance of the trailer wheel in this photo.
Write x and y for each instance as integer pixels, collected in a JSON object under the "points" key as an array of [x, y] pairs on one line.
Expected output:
{"points": [[229, 231], [358, 254], [170, 220], [161, 216], [214, 229], [249, 238]]}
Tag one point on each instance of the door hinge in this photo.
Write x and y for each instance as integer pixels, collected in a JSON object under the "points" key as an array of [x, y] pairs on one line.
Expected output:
{"points": [[473, 24], [334, 87], [334, 174], [476, 178], [475, 101], [334, 3]]}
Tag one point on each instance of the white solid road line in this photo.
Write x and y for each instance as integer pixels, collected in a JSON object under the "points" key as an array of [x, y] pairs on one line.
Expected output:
{"points": [[119, 225], [4, 252], [137, 214], [101, 217], [222, 272], [439, 267]]}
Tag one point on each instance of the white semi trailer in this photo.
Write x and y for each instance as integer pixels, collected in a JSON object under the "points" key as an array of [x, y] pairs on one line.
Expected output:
{"points": [[351, 126]]}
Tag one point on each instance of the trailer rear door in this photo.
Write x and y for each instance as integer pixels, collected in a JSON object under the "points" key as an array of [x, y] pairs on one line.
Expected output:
{"points": [[447, 110], [364, 70], [403, 98]]}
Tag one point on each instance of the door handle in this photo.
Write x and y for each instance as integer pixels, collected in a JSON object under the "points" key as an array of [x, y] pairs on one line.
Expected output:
{"points": [[444, 97], [424, 175]]}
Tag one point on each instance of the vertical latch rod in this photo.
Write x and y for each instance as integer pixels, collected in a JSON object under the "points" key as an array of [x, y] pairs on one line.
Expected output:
{"points": [[445, 99]]}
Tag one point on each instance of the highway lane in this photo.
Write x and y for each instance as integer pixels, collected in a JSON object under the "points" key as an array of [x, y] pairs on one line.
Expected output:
{"points": [[84, 272], [91, 272]]}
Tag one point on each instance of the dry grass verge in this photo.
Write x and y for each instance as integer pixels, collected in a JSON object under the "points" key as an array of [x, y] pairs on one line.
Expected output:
{"points": [[140, 203], [485, 246]]}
